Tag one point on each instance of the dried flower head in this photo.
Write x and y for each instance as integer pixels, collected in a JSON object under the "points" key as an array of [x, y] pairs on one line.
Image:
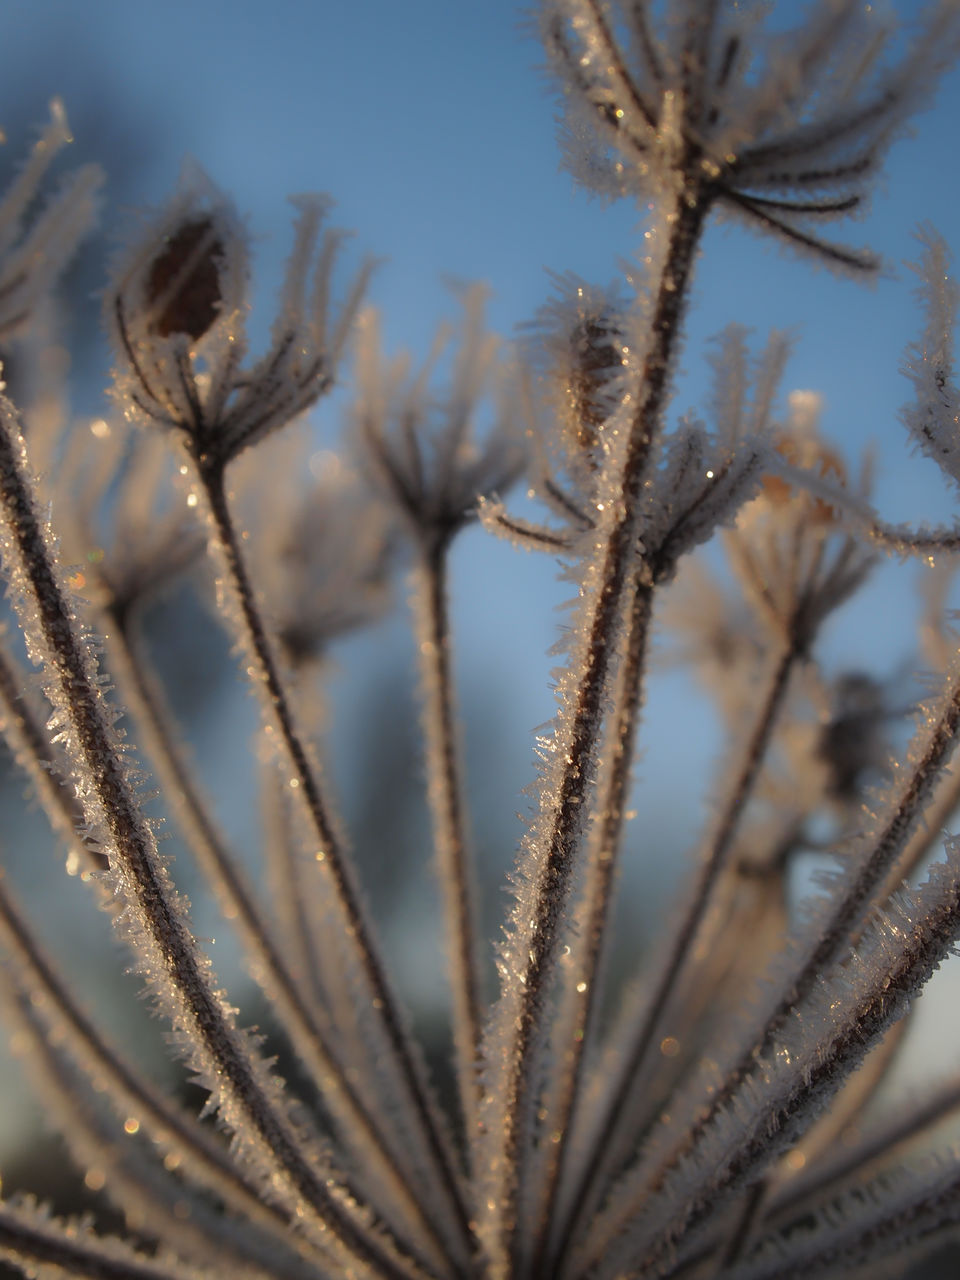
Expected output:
{"points": [[177, 311], [426, 450], [784, 130]]}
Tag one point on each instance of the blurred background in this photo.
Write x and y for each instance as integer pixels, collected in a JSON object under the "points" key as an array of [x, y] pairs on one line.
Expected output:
{"points": [[432, 126]]}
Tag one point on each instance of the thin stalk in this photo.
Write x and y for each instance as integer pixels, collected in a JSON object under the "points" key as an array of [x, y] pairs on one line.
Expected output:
{"points": [[289, 893], [202, 1156], [51, 1247], [945, 801], [854, 1008], [882, 1139], [180, 978], [558, 831], [32, 751], [578, 1030], [609, 1140], [900, 820], [309, 1030], [933, 746], [849, 1103], [135, 1180], [445, 790], [265, 675]]}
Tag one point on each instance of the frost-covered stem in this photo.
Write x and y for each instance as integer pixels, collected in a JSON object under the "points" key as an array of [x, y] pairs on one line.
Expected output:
{"points": [[891, 1220], [582, 1003], [879, 1143], [289, 894], [712, 863], [205, 1159], [110, 806], [853, 1020], [854, 895], [912, 542], [935, 819], [136, 1181], [309, 1030], [445, 790], [558, 831], [849, 1103], [936, 745], [31, 750], [357, 929], [53, 1248], [610, 1139]]}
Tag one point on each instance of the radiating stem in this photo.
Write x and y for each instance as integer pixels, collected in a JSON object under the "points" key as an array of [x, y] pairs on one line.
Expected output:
{"points": [[205, 1158], [310, 1032], [266, 678], [445, 789], [609, 1140], [932, 749], [578, 1028], [180, 976], [557, 833], [32, 751], [52, 1248]]}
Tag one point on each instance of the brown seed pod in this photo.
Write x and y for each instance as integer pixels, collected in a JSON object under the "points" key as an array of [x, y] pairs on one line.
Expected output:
{"points": [[183, 289]]}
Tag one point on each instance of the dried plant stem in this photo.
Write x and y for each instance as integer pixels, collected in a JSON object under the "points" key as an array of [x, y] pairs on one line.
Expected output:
{"points": [[136, 1181], [933, 747], [32, 751], [848, 1104], [205, 1159], [884, 1138], [558, 831], [611, 1139], [290, 895], [874, 995], [931, 750], [578, 1018], [309, 1029], [445, 790], [935, 818], [266, 679], [913, 1211], [111, 807], [39, 1241]]}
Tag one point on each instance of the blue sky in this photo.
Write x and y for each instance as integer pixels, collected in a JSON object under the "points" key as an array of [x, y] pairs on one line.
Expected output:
{"points": [[431, 125]]}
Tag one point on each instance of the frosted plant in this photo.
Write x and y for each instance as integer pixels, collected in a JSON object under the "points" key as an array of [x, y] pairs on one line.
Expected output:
{"points": [[685, 1122]]}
